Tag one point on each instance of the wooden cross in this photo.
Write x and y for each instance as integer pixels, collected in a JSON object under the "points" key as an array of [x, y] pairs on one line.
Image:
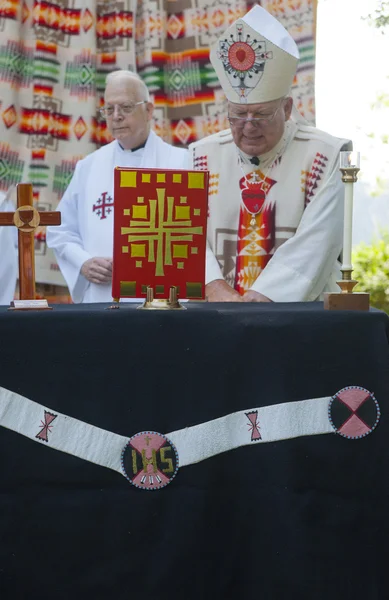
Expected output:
{"points": [[26, 218]]}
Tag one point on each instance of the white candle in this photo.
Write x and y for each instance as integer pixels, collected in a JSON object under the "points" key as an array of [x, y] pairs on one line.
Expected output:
{"points": [[349, 165], [348, 225]]}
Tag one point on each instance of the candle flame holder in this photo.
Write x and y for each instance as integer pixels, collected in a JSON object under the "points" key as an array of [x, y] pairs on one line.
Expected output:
{"points": [[349, 174]]}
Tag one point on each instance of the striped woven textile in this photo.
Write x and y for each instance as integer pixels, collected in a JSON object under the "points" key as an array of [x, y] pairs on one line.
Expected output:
{"points": [[54, 57]]}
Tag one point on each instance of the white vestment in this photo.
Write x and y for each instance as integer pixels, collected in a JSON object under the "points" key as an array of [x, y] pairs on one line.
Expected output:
{"points": [[8, 256], [87, 210], [305, 196]]}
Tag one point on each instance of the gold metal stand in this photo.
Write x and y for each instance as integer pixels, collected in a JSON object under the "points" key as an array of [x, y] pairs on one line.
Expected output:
{"points": [[347, 299], [164, 304]]}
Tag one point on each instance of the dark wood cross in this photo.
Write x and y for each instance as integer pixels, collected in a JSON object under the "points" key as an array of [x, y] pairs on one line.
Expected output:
{"points": [[26, 218]]}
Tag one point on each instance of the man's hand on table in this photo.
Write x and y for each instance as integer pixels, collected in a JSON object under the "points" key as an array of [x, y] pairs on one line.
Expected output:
{"points": [[97, 270], [252, 296], [219, 291]]}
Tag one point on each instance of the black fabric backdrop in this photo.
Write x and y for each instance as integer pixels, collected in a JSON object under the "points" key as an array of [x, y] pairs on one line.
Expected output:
{"points": [[304, 518]]}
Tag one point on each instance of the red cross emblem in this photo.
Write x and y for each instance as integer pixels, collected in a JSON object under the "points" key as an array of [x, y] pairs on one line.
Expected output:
{"points": [[46, 426], [103, 206]]}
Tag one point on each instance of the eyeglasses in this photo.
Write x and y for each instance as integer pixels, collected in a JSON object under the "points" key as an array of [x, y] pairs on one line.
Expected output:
{"points": [[124, 109], [241, 121]]}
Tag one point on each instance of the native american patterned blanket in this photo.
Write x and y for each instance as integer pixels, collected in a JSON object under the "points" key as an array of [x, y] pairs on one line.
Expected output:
{"points": [[54, 60]]}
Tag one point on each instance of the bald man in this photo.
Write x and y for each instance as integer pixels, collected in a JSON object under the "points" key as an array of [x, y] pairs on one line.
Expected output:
{"points": [[83, 244]]}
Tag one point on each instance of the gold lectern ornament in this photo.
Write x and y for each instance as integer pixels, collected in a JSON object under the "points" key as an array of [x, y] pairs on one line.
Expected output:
{"points": [[171, 303]]}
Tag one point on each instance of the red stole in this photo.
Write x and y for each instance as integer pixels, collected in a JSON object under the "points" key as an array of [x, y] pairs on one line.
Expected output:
{"points": [[255, 243]]}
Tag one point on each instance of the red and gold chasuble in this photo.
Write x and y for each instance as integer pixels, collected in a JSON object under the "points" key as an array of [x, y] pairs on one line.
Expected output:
{"points": [[256, 230], [159, 232]]}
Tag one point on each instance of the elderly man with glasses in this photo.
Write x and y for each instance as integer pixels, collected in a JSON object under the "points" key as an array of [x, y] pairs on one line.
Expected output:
{"points": [[275, 198], [83, 244]]}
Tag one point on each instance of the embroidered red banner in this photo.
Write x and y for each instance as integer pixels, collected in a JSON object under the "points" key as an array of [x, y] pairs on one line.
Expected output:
{"points": [[159, 232]]}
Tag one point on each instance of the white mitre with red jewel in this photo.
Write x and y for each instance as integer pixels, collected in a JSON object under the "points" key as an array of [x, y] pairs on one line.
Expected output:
{"points": [[255, 59]]}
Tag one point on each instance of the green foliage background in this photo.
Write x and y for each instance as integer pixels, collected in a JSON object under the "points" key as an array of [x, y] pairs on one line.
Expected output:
{"points": [[371, 270], [380, 17], [371, 262]]}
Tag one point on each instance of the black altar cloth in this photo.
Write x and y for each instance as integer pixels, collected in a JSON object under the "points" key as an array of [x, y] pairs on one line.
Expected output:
{"points": [[303, 519]]}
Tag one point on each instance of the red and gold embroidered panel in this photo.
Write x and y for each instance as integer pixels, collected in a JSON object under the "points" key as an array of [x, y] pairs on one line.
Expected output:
{"points": [[159, 232]]}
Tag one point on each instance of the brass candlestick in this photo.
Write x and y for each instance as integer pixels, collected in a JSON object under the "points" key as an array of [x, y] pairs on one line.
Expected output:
{"points": [[347, 299]]}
